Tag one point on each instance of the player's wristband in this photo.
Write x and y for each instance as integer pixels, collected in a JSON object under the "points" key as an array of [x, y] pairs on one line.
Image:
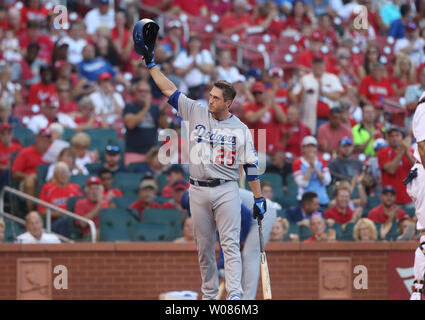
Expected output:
{"points": [[152, 64]]}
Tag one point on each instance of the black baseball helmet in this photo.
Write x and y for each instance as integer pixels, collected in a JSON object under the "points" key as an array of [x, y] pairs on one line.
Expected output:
{"points": [[144, 34]]}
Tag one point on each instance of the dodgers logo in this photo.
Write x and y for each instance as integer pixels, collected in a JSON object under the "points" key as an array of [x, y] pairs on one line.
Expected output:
{"points": [[214, 137]]}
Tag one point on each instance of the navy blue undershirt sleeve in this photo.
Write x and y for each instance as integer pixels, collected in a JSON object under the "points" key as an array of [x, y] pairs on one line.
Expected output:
{"points": [[174, 100]]}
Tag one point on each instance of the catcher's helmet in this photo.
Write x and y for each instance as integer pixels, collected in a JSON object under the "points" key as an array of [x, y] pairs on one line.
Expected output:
{"points": [[144, 36]]}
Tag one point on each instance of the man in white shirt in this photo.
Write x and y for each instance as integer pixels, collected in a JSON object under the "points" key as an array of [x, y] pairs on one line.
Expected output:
{"points": [[314, 87], [76, 42], [412, 44], [35, 233], [106, 100], [50, 115], [100, 16]]}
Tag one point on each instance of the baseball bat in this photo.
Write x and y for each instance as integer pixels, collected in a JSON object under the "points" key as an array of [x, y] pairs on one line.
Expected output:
{"points": [[265, 278], [220, 290]]}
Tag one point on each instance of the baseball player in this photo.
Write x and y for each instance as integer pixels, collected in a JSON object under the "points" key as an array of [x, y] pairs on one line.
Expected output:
{"points": [[249, 237], [218, 143], [415, 189]]}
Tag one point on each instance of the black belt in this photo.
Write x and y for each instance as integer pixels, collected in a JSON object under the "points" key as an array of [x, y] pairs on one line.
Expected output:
{"points": [[211, 183]]}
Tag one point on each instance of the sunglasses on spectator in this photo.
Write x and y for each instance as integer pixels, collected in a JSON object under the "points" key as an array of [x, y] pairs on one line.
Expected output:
{"points": [[257, 92], [113, 149], [346, 141]]}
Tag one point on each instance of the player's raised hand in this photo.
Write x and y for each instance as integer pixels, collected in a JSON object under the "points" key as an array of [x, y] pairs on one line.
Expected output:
{"points": [[260, 208]]}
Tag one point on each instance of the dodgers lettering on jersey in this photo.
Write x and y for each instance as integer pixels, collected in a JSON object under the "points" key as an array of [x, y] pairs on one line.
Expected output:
{"points": [[216, 148]]}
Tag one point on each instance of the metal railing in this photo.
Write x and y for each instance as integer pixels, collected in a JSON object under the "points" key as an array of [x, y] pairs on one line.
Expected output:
{"points": [[49, 208]]}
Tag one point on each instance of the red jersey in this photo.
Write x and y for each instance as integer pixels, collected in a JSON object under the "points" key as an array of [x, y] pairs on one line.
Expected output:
{"points": [[229, 21], [34, 14], [306, 57], [68, 107], [126, 36], [7, 151], [46, 46], [373, 90], [378, 215], [192, 7], [268, 121], [298, 133], [282, 97], [339, 217], [27, 160], [116, 192], [167, 191], [386, 155], [291, 23], [84, 206], [39, 92], [140, 207], [95, 125], [58, 196]]}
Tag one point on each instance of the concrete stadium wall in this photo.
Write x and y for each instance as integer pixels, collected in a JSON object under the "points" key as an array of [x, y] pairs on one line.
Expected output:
{"points": [[144, 270]]}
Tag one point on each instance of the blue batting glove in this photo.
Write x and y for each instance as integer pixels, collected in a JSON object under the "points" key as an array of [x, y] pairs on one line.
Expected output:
{"points": [[260, 208]]}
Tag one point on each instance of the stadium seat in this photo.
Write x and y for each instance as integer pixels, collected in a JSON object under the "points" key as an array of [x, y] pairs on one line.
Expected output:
{"points": [[70, 203], [347, 234], [130, 191], [410, 212], [68, 134], [172, 217], [123, 179], [373, 201], [162, 199], [41, 177], [151, 232], [102, 134], [124, 202], [12, 230], [338, 230], [93, 168], [276, 181], [135, 166], [115, 224], [304, 233], [281, 213], [24, 135], [161, 180], [391, 235], [288, 201], [79, 179], [294, 228]]}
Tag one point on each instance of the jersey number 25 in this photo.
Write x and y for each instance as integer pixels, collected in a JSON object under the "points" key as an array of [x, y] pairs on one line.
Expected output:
{"points": [[225, 157]]}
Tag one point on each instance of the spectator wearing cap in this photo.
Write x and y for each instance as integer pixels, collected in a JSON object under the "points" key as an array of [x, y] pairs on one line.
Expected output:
{"points": [[331, 133], [86, 117], [90, 206], [24, 168], [345, 166], [7, 148], [174, 173], [178, 187], [91, 67], [281, 95], [9, 90], [397, 27], [395, 162], [57, 192], [366, 132], [107, 179], [266, 114], [226, 69], [33, 34], [293, 132], [107, 101], [316, 93], [49, 114], [237, 20], [311, 172], [173, 41], [194, 66], [113, 159], [142, 120], [41, 91], [101, 15], [278, 163], [147, 191], [6, 115], [375, 87], [305, 58], [80, 144], [76, 42], [387, 211], [412, 44]]}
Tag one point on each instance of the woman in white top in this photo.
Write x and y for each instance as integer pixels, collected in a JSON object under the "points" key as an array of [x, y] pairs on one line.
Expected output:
{"points": [[194, 66], [80, 144], [68, 156]]}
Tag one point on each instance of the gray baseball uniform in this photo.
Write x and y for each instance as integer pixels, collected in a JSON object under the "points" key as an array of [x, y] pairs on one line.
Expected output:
{"points": [[251, 250], [216, 150]]}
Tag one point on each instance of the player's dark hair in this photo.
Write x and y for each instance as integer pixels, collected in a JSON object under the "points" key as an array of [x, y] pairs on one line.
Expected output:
{"points": [[308, 197], [229, 92]]}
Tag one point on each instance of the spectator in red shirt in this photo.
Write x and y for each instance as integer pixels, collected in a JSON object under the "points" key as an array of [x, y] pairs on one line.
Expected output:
{"points": [[387, 211], [305, 58], [173, 42], [179, 187], [174, 174], [107, 179], [34, 10], [40, 92], [318, 229], [395, 162], [218, 7], [342, 213], [293, 132], [7, 148], [298, 17], [33, 35], [86, 117], [90, 206], [66, 104], [375, 86], [147, 191], [236, 21], [325, 25], [268, 18], [57, 193], [281, 95], [266, 114], [121, 36], [330, 134], [193, 8], [24, 168]]}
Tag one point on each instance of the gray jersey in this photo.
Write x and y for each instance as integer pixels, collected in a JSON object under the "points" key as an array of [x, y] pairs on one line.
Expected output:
{"points": [[216, 148]]}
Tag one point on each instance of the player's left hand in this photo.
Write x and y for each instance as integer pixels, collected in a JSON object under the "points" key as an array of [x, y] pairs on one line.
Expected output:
{"points": [[260, 208]]}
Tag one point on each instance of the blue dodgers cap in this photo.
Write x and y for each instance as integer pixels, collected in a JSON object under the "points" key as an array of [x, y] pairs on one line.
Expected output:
{"points": [[103, 1], [388, 188]]}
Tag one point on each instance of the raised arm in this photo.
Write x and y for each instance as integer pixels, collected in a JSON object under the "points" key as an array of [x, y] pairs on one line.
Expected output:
{"points": [[164, 84]]}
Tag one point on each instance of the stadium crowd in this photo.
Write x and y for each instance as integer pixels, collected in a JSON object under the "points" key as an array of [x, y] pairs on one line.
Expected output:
{"points": [[82, 123]]}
